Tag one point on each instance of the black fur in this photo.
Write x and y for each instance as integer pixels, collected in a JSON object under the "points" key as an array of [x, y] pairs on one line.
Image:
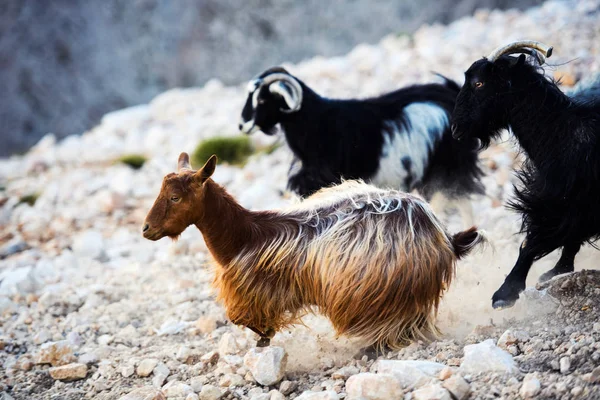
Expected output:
{"points": [[337, 139], [559, 192]]}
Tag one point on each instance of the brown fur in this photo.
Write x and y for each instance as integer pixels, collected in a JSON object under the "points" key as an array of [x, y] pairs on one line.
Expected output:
{"points": [[376, 262]]}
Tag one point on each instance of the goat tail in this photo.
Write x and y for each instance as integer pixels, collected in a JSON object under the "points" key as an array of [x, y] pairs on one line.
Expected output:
{"points": [[463, 242], [449, 83]]}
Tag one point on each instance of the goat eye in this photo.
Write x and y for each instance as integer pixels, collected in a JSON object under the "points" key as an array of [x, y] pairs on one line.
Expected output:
{"points": [[478, 85], [261, 101], [174, 199]]}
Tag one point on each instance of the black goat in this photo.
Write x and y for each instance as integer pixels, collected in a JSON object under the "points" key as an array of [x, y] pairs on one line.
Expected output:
{"points": [[400, 140], [559, 193]]}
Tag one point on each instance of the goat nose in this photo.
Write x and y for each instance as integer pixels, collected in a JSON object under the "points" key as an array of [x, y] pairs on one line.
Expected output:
{"points": [[145, 227]]}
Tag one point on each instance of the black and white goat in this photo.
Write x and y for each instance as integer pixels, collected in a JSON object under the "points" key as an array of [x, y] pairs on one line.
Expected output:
{"points": [[559, 193], [400, 140]]}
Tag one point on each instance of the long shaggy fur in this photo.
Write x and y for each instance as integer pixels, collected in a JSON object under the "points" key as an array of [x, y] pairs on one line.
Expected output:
{"points": [[375, 262], [559, 192]]}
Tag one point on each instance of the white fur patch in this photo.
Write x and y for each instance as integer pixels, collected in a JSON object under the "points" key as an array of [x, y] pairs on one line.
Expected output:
{"points": [[253, 85], [426, 124], [249, 126], [255, 99]]}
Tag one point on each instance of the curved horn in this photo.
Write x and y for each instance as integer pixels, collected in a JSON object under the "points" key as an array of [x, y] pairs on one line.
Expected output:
{"points": [[183, 162], [522, 46], [296, 97]]}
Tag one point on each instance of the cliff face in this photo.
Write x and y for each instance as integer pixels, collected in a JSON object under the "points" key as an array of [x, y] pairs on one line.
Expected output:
{"points": [[63, 64]]}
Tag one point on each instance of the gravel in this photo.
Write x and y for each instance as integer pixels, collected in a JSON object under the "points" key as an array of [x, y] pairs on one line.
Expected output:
{"points": [[83, 291]]}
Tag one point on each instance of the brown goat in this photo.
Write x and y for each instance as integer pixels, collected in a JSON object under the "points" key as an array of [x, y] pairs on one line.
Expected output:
{"points": [[374, 261]]}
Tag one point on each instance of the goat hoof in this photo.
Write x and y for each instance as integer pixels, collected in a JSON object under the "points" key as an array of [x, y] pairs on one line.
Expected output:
{"points": [[505, 297], [370, 351], [263, 342], [502, 304]]}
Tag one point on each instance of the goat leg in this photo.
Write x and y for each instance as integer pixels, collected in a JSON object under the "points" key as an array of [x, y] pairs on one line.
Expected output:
{"points": [[265, 337], [514, 284], [565, 264]]}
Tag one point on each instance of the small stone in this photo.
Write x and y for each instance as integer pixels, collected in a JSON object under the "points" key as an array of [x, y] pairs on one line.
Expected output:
{"points": [[411, 374], [210, 392], [192, 396], [531, 387], [445, 373], [206, 324], [25, 363], [127, 371], [69, 372], [105, 340], [56, 353], [88, 358], [373, 386], [431, 392], [146, 366], [162, 369], [261, 396], [486, 357], [255, 392], [576, 391], [177, 389], [196, 383], [287, 387], [276, 395], [183, 353], [249, 378], [228, 344], [75, 339], [565, 365], [326, 395], [458, 387], [508, 338], [231, 380], [210, 358], [594, 376], [267, 364], [596, 327], [345, 372], [158, 379], [42, 336], [144, 393], [13, 246]]}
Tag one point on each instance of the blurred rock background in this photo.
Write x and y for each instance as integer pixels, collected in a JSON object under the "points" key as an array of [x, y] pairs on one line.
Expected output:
{"points": [[65, 63]]}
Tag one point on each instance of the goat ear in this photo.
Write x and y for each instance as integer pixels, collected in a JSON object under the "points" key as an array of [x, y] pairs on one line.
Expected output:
{"points": [[183, 161], [520, 60], [207, 170], [285, 91]]}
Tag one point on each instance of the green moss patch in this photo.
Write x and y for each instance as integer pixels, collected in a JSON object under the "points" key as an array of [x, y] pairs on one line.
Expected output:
{"points": [[135, 161], [233, 150]]}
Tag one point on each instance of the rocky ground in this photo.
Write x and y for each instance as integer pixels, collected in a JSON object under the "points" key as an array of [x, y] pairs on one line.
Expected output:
{"points": [[89, 309]]}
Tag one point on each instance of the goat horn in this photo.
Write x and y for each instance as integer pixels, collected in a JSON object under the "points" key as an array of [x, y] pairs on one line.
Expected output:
{"points": [[296, 88], [522, 46], [183, 162]]}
